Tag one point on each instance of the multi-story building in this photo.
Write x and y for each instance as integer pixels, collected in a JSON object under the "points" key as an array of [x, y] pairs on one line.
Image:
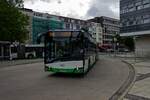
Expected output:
{"points": [[99, 34], [96, 30], [110, 27], [29, 13], [72, 23], [42, 22], [135, 21]]}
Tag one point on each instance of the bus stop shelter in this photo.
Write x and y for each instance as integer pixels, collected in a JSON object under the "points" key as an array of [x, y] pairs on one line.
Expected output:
{"points": [[4, 50]]}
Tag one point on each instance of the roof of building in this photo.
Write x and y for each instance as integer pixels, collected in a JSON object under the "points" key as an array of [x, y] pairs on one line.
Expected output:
{"points": [[139, 33], [26, 9], [110, 18], [30, 10]]}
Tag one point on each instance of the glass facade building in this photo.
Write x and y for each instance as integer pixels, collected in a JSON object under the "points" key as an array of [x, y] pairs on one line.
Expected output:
{"points": [[134, 15], [42, 22], [41, 25]]}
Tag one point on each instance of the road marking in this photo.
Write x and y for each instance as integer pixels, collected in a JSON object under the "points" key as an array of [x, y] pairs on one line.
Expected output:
{"points": [[123, 90], [142, 76], [135, 97]]}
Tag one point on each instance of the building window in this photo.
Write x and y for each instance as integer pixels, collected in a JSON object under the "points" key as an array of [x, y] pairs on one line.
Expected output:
{"points": [[132, 9], [146, 16], [139, 21], [138, 3], [67, 26], [72, 21], [139, 7], [62, 19], [78, 26], [146, 21], [130, 5], [66, 20], [78, 22], [74, 26], [64, 26], [146, 5], [146, 1]]}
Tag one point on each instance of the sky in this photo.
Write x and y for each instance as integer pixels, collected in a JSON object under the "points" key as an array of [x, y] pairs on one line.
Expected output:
{"points": [[82, 9]]}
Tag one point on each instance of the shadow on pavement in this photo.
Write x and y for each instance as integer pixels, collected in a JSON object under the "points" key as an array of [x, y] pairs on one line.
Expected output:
{"points": [[66, 75]]}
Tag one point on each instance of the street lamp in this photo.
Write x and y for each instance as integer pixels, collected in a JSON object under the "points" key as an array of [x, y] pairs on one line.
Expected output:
{"points": [[115, 40], [134, 39]]}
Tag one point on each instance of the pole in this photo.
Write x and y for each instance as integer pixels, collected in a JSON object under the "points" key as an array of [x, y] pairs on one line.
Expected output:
{"points": [[115, 46], [134, 49]]}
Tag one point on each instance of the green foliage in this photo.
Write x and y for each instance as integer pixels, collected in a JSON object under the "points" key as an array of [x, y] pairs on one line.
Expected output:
{"points": [[16, 3], [129, 42], [12, 23], [119, 39]]}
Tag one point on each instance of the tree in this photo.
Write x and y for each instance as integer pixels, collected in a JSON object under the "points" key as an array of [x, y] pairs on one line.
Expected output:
{"points": [[12, 22], [129, 42], [126, 41], [119, 39], [16, 3]]}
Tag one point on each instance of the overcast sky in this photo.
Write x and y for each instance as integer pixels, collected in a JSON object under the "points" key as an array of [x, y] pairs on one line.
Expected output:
{"points": [[83, 9]]}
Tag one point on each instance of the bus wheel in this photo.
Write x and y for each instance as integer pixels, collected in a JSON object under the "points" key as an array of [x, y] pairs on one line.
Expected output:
{"points": [[30, 56]]}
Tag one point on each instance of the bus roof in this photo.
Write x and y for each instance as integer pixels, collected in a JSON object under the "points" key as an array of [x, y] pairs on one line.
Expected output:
{"points": [[88, 35]]}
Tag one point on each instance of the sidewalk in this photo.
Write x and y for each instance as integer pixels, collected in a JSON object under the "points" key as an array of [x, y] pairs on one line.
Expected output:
{"points": [[19, 62], [141, 88]]}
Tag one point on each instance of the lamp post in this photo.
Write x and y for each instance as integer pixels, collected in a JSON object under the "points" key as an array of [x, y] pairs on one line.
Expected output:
{"points": [[114, 45], [134, 39]]}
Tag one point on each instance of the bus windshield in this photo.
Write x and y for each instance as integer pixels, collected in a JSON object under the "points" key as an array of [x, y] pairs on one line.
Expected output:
{"points": [[63, 48]]}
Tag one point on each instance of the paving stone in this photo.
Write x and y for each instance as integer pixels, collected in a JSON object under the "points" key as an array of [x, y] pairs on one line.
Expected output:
{"points": [[135, 97], [141, 89]]}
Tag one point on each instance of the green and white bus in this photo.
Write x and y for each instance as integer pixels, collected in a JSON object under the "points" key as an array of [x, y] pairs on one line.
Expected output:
{"points": [[69, 51]]}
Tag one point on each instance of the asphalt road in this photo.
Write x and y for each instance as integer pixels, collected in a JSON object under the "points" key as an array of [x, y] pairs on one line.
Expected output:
{"points": [[30, 82]]}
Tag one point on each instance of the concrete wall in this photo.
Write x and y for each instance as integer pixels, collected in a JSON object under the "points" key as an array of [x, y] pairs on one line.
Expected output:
{"points": [[142, 46]]}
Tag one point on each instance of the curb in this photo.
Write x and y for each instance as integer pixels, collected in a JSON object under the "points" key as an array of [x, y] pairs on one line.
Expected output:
{"points": [[127, 85], [22, 63]]}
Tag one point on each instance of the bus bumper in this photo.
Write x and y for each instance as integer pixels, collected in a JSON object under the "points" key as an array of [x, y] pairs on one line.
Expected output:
{"points": [[61, 70]]}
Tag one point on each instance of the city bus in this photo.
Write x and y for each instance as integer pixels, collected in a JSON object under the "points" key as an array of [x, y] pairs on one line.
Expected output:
{"points": [[27, 51], [34, 51], [69, 51]]}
